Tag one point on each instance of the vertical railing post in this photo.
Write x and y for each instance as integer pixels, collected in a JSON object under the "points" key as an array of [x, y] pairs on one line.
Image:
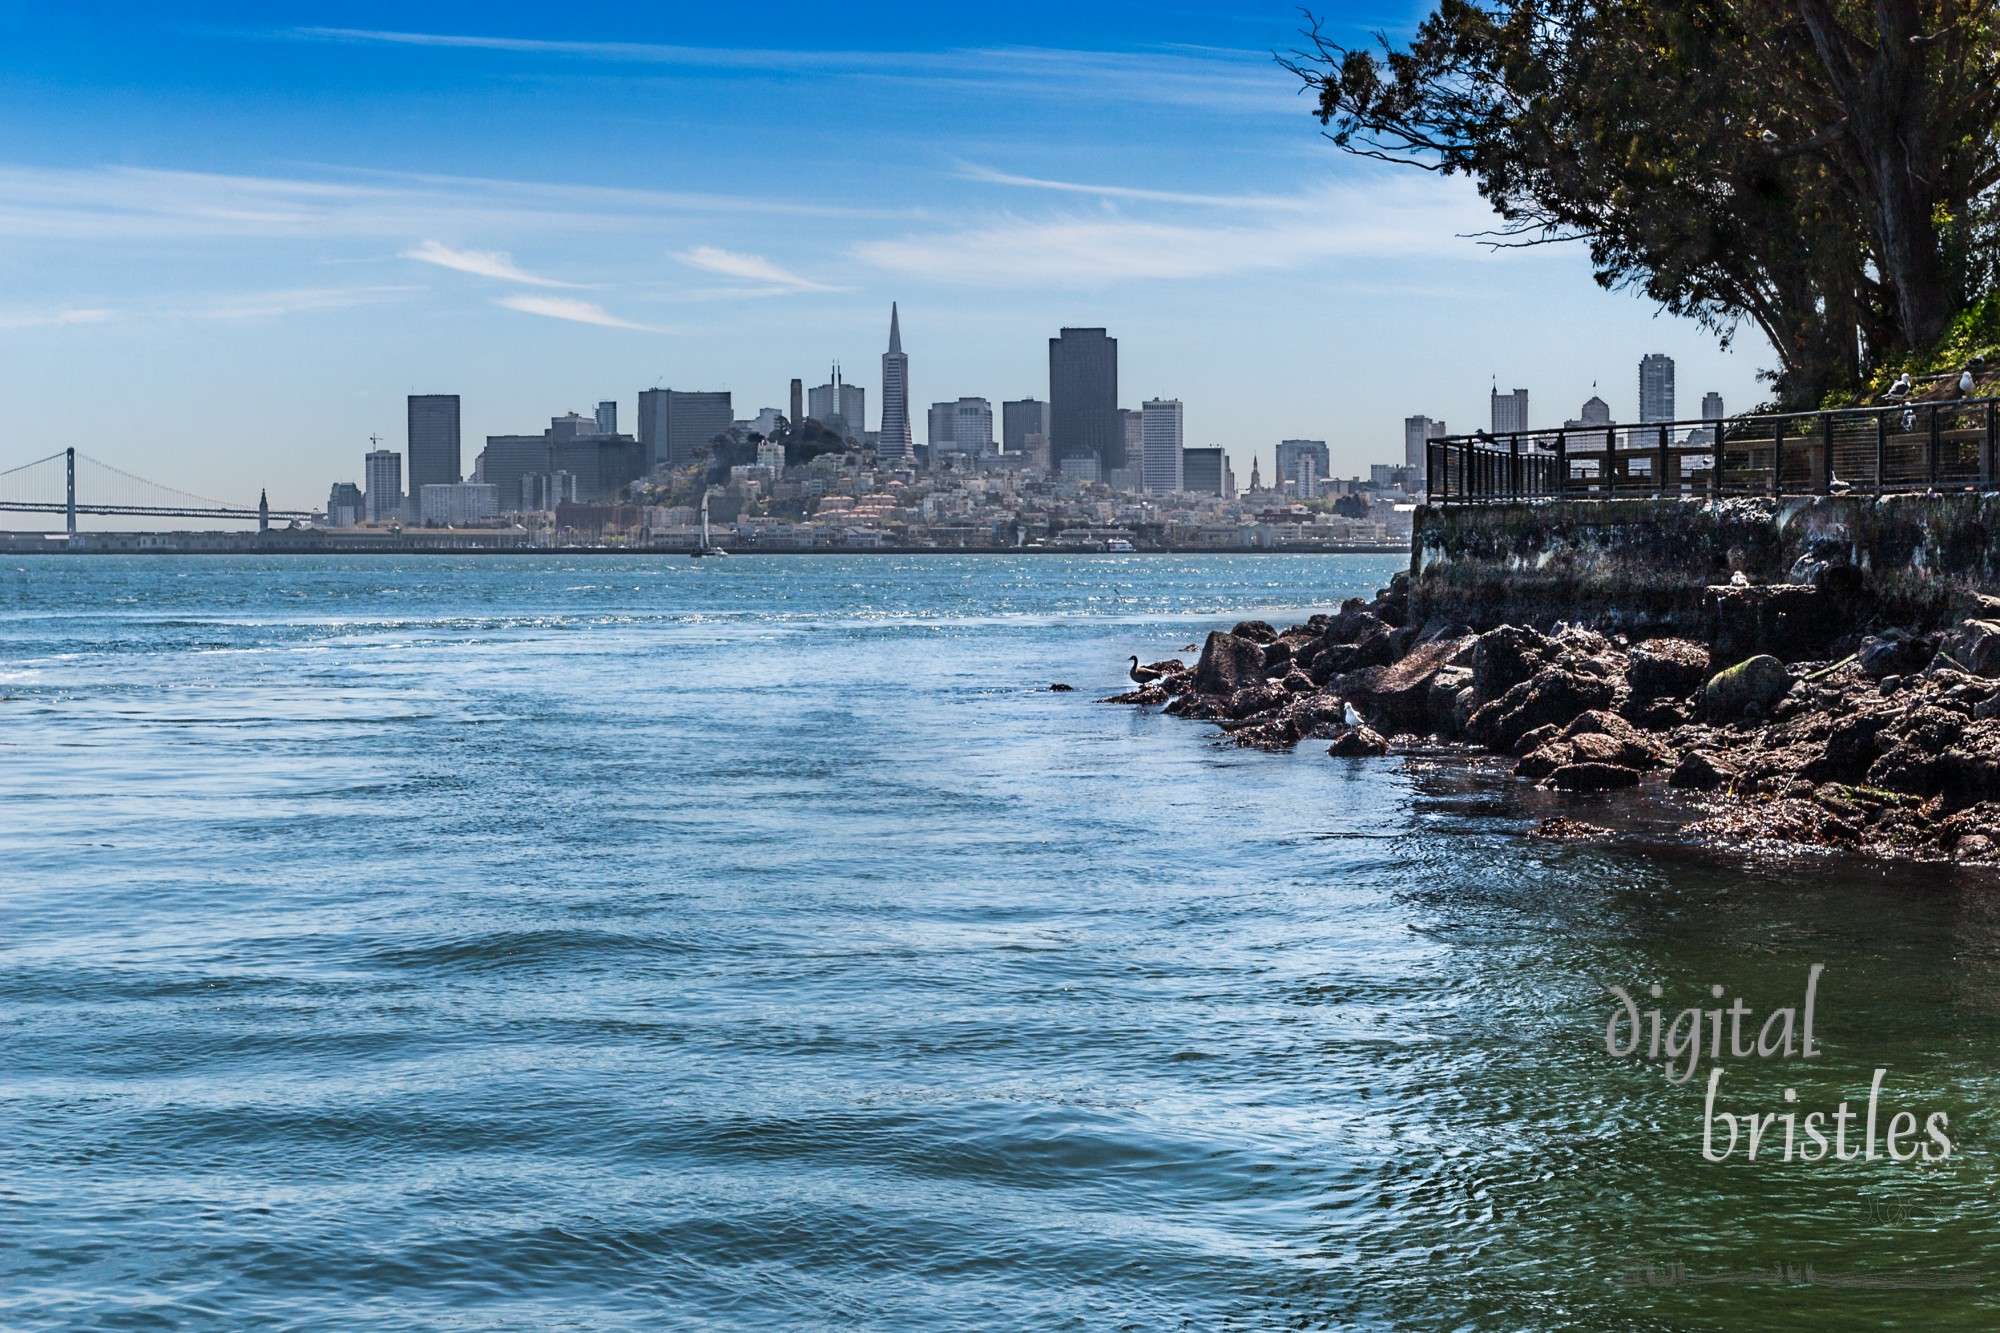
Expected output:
{"points": [[1715, 462], [70, 457], [1562, 463], [1986, 460], [1935, 447], [1823, 483], [1778, 457], [1607, 472], [1660, 462], [1514, 465], [1881, 451]]}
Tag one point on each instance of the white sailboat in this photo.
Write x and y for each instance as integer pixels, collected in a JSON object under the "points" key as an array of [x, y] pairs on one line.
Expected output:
{"points": [[706, 548]]}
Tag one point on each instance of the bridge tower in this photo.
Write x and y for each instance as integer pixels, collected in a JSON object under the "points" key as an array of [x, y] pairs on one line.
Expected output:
{"points": [[70, 455]]}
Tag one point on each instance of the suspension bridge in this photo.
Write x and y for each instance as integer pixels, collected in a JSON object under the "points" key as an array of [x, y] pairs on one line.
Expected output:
{"points": [[70, 483]]}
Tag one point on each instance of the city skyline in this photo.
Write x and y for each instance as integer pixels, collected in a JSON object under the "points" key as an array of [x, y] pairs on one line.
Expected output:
{"points": [[245, 242]]}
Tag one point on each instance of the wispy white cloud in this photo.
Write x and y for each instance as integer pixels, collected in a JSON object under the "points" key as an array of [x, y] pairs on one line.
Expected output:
{"points": [[1292, 203], [484, 263], [1403, 220], [751, 268], [1212, 78], [136, 204], [45, 319], [569, 308]]}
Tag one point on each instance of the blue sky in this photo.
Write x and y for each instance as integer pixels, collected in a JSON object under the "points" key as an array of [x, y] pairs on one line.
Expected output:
{"points": [[233, 237]]}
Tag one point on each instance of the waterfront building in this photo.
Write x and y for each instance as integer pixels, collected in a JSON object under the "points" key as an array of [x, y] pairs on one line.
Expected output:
{"points": [[433, 439], [675, 425], [1160, 446], [458, 504], [382, 474], [1656, 387], [1083, 398], [1510, 411], [893, 439]]}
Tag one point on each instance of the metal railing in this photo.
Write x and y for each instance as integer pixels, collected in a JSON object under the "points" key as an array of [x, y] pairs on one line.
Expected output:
{"points": [[1872, 450]]}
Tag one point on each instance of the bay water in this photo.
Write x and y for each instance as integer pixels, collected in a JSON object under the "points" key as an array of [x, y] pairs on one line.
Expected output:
{"points": [[608, 942]]}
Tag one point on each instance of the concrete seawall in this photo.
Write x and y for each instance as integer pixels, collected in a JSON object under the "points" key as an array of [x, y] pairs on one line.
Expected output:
{"points": [[1824, 569]]}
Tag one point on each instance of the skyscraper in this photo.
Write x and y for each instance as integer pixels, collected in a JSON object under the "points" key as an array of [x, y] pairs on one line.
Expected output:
{"points": [[972, 426], [674, 426], [382, 474], [433, 440], [1417, 434], [1304, 463], [1711, 407], [895, 435], [607, 418], [1202, 470], [1160, 445], [1019, 419], [1510, 411], [943, 428], [838, 405], [1083, 399], [1656, 387]]}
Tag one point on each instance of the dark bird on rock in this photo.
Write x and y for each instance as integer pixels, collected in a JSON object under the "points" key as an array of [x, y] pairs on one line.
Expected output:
{"points": [[1146, 675]]}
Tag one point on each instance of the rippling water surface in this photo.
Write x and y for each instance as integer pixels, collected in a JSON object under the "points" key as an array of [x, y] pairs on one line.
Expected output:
{"points": [[632, 943]]}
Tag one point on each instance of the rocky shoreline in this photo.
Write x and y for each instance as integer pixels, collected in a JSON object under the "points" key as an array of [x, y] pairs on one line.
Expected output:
{"points": [[1890, 751]]}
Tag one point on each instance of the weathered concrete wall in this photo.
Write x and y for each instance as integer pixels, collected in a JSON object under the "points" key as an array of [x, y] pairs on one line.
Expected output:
{"points": [[1651, 566]]}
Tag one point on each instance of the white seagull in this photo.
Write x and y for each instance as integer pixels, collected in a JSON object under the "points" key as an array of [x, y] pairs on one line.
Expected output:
{"points": [[1901, 388], [1349, 716], [1739, 580], [1965, 384]]}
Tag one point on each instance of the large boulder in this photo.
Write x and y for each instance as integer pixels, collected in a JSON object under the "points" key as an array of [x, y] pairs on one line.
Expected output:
{"points": [[1554, 695], [1975, 645], [1667, 668], [1403, 694], [1358, 743], [1757, 682], [1257, 631], [1592, 777], [1504, 657], [1228, 663], [1895, 652], [1608, 738], [1701, 770]]}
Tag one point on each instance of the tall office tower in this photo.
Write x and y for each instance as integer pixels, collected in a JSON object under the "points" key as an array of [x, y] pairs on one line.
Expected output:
{"points": [[972, 426], [433, 438], [895, 438], [1656, 387], [674, 426], [1510, 412], [508, 459], [1711, 407], [1594, 412], [1019, 419], [1160, 463], [943, 432], [382, 473], [1417, 434], [607, 418], [839, 406], [798, 401], [345, 505], [1303, 463], [1083, 399], [1201, 470]]}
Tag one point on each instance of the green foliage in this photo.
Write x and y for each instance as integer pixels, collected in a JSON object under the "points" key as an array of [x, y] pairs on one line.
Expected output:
{"points": [[1973, 335], [1351, 506]]}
